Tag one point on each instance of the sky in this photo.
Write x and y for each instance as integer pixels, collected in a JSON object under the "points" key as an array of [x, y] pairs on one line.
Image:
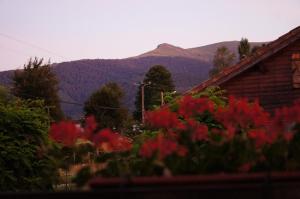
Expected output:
{"points": [[65, 30]]}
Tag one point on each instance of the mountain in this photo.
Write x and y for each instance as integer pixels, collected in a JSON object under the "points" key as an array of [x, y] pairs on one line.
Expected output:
{"points": [[78, 79], [168, 50], [204, 53]]}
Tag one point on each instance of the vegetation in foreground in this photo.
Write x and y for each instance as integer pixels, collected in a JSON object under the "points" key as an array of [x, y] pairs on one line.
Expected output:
{"points": [[25, 159], [195, 134]]}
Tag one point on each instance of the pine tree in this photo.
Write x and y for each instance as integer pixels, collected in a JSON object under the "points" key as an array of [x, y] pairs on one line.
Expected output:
{"points": [[160, 80], [244, 48], [37, 81]]}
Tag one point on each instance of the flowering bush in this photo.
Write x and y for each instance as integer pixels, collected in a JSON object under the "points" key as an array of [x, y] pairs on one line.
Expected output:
{"points": [[197, 134], [237, 137], [65, 132], [68, 133], [162, 146], [82, 144], [110, 141]]}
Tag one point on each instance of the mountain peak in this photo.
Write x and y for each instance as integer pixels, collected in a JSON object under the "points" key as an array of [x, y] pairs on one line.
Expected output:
{"points": [[165, 45], [165, 50]]}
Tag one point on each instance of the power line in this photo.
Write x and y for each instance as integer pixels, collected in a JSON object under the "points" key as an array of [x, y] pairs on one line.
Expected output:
{"points": [[72, 103], [13, 50], [36, 47], [56, 54], [31, 45], [79, 104]]}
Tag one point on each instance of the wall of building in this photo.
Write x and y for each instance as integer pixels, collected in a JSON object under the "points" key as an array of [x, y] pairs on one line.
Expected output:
{"points": [[271, 81]]}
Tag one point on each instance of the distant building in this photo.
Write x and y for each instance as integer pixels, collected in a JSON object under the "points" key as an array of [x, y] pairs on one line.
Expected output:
{"points": [[271, 74]]}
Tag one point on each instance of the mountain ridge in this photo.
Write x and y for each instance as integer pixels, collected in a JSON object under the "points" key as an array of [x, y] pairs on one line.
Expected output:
{"points": [[204, 53]]}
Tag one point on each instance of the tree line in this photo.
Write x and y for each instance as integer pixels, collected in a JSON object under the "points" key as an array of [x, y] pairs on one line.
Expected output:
{"points": [[37, 81]]}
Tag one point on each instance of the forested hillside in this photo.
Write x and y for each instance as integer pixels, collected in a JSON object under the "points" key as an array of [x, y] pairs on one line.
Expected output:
{"points": [[78, 79]]}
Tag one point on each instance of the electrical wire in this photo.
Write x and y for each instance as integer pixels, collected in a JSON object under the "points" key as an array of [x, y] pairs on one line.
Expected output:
{"points": [[31, 45], [69, 102]]}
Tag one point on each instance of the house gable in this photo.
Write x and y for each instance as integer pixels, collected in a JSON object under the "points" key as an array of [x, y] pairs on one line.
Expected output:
{"points": [[270, 81], [260, 55], [268, 75]]}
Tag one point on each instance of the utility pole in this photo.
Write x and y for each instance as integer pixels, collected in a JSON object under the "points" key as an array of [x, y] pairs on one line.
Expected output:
{"points": [[162, 102], [143, 102], [143, 84], [48, 111]]}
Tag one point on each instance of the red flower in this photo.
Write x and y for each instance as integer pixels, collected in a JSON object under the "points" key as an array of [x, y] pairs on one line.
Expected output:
{"points": [[65, 132], [182, 151], [245, 167], [285, 119], [230, 132], [191, 123], [240, 114], [110, 141], [189, 106], [200, 133], [288, 136], [162, 118], [90, 127], [162, 146], [148, 148], [181, 126], [260, 137]]}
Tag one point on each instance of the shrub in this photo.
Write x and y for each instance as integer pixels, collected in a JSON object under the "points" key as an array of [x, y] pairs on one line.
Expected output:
{"points": [[24, 160]]}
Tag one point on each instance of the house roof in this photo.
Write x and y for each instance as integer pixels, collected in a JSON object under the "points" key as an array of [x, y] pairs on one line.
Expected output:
{"points": [[260, 55]]}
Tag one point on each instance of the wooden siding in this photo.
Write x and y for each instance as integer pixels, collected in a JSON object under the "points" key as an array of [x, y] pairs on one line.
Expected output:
{"points": [[270, 81]]}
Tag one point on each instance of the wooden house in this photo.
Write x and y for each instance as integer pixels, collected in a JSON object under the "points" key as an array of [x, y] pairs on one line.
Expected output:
{"points": [[271, 74]]}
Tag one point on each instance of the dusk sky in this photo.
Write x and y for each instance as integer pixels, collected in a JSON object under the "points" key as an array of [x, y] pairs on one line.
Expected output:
{"points": [[65, 30]]}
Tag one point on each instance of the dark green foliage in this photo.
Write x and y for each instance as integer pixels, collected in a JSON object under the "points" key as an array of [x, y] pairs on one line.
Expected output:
{"points": [[24, 162], [161, 81], [105, 104], [222, 58], [37, 81], [5, 95], [215, 94], [244, 48], [294, 149]]}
